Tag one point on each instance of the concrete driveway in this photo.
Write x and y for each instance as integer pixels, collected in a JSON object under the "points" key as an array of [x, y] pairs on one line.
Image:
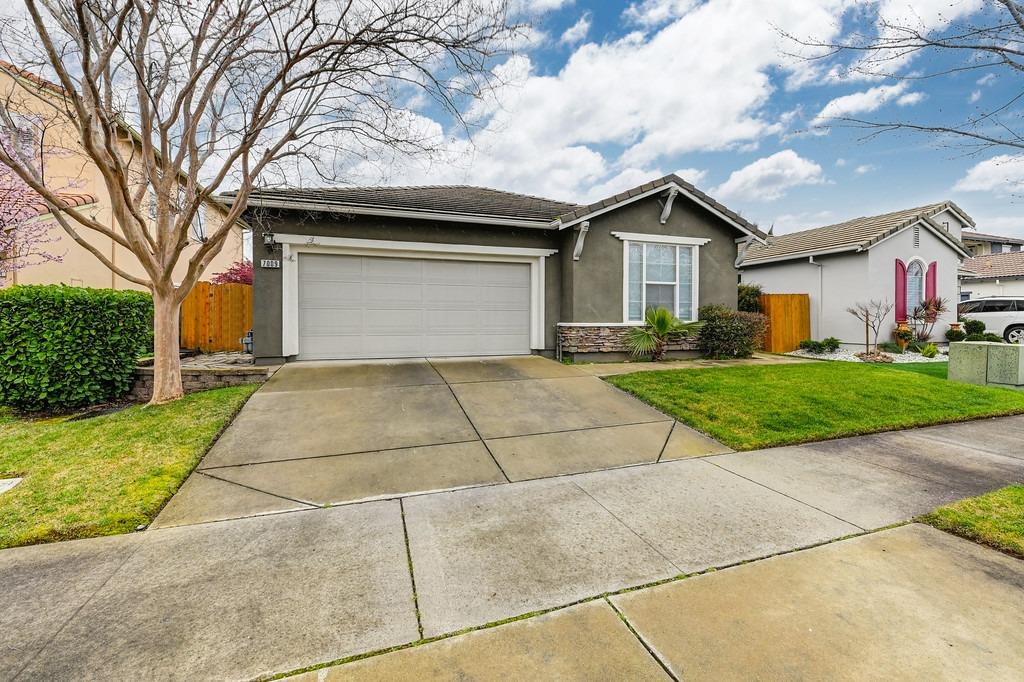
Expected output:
{"points": [[329, 433]]}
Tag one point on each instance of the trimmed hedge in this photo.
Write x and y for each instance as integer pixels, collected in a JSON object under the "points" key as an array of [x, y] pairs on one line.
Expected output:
{"points": [[63, 347], [728, 333]]}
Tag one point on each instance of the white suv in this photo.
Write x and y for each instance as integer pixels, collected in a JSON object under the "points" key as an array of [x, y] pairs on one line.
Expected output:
{"points": [[1003, 315]]}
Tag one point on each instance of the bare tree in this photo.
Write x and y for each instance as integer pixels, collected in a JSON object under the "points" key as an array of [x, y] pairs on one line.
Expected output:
{"points": [[873, 314], [990, 42], [235, 94]]}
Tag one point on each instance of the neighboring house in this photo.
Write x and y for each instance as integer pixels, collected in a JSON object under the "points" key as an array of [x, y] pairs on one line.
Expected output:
{"points": [[996, 275], [385, 272], [68, 170], [980, 244], [902, 257]]}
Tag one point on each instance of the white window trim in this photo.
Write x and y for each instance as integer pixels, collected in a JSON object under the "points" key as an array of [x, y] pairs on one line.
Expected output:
{"points": [[694, 290], [924, 283], [293, 244], [660, 239]]}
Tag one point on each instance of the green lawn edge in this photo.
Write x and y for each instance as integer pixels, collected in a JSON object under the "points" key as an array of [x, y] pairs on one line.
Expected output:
{"points": [[995, 519], [105, 475], [753, 407]]}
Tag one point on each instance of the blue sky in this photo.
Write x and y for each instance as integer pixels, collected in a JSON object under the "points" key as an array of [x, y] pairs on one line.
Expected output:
{"points": [[604, 95]]}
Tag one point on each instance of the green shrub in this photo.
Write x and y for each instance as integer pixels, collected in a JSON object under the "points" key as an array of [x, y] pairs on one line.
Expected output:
{"points": [[975, 337], [63, 347], [728, 333], [955, 335], [890, 347], [930, 350], [831, 344], [974, 327], [994, 338], [812, 346], [748, 298], [916, 346]]}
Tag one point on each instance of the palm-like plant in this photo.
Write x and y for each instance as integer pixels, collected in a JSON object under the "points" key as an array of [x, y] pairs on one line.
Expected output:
{"points": [[659, 326]]}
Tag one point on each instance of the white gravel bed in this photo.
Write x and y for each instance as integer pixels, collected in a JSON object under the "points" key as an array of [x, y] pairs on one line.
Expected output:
{"points": [[848, 356]]}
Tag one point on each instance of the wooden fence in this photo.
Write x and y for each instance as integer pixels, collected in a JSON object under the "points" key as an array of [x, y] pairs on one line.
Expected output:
{"points": [[789, 321], [215, 316]]}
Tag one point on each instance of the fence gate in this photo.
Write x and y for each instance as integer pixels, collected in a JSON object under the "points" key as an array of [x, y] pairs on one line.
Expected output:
{"points": [[789, 321], [215, 316]]}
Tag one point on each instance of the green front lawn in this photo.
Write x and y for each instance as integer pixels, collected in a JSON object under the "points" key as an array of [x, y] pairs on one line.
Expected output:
{"points": [[995, 519], [107, 474], [763, 406], [933, 369]]}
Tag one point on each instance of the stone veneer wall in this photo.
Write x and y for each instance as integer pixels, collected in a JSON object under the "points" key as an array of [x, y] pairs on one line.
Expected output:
{"points": [[200, 379], [609, 339]]}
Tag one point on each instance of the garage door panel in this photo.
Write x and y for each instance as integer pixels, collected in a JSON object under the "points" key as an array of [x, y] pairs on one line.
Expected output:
{"points": [[363, 306]]}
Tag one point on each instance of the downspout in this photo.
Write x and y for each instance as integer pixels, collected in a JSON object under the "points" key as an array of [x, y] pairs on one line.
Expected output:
{"points": [[821, 288], [742, 254]]}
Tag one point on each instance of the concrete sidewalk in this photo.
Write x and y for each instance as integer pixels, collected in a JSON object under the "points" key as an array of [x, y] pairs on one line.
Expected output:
{"points": [[262, 595]]}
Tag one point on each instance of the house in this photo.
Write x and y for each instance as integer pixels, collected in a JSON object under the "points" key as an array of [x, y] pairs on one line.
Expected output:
{"points": [[902, 257], [386, 272], [980, 244], [1000, 274], [68, 171]]}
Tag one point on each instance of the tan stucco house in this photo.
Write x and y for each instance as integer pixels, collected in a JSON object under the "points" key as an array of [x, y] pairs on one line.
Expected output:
{"points": [[68, 171]]}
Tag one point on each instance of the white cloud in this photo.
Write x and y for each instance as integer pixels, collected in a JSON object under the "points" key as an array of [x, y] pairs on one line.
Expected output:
{"points": [[624, 104], [794, 222], [987, 79], [840, 162], [859, 103], [656, 12], [578, 31], [975, 96], [536, 7], [770, 178], [694, 176], [864, 169], [1003, 174], [910, 99]]}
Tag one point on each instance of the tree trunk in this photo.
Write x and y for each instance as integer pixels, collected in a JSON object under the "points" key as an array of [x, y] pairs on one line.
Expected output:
{"points": [[659, 351], [166, 348]]}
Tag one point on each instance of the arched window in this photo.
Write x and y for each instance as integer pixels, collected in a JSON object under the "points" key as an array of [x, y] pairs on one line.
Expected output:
{"points": [[915, 285]]}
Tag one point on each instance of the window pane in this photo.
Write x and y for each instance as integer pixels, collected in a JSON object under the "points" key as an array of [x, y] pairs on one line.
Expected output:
{"points": [[661, 263], [997, 307], [685, 283], [636, 283], [915, 286], [661, 296]]}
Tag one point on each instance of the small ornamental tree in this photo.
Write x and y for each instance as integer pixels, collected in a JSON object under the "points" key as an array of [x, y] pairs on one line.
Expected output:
{"points": [[872, 314], [240, 272], [22, 243]]}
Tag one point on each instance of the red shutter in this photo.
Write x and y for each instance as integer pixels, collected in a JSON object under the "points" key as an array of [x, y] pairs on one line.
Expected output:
{"points": [[901, 291], [930, 280]]}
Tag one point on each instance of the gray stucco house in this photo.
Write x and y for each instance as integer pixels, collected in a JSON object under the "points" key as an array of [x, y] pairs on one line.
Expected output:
{"points": [[389, 272]]}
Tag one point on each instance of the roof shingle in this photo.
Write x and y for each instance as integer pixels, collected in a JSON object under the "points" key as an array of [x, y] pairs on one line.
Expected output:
{"points": [[853, 234], [995, 266], [451, 199]]}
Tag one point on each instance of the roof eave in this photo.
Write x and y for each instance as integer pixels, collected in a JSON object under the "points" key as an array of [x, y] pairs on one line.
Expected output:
{"points": [[357, 209], [800, 255]]}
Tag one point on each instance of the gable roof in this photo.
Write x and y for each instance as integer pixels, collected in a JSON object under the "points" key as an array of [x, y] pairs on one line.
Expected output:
{"points": [[995, 266], [452, 202], [858, 234], [581, 213], [993, 238]]}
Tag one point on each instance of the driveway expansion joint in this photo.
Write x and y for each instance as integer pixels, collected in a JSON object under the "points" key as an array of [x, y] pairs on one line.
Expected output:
{"points": [[309, 505], [647, 647], [412, 573]]}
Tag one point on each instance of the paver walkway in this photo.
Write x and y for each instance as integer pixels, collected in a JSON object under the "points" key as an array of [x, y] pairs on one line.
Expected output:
{"points": [[267, 594]]}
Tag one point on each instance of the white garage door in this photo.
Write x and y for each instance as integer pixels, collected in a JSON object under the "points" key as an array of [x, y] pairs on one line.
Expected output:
{"points": [[373, 307]]}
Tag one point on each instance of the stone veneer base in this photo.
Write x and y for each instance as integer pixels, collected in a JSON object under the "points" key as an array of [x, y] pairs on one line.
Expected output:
{"points": [[200, 379], [608, 343]]}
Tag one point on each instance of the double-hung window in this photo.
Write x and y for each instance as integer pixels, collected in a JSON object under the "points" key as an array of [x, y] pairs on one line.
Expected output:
{"points": [[660, 272]]}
